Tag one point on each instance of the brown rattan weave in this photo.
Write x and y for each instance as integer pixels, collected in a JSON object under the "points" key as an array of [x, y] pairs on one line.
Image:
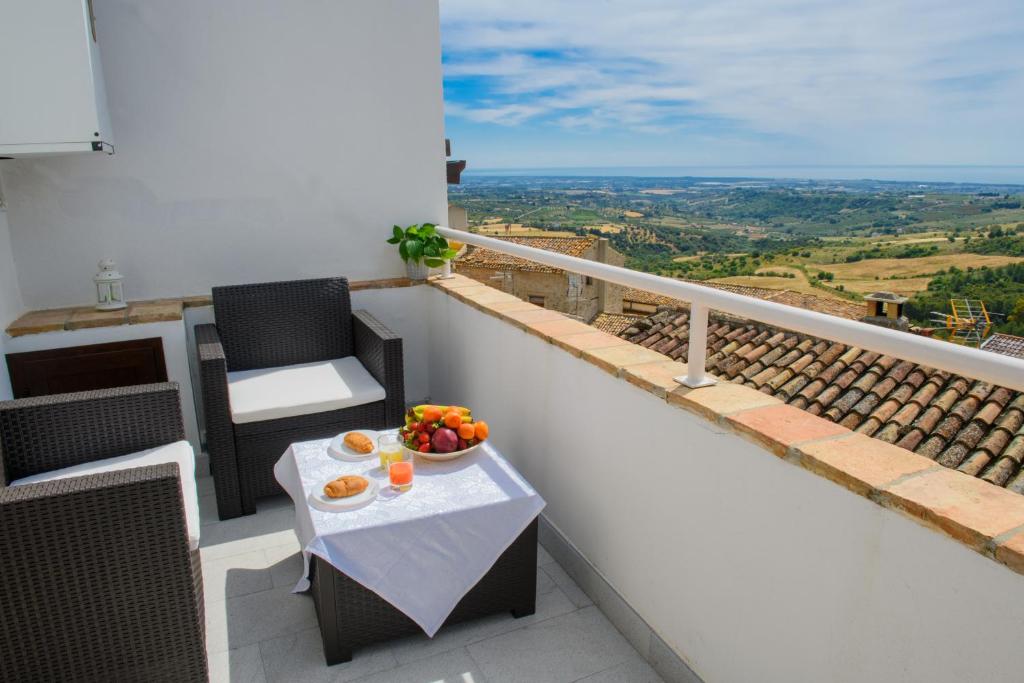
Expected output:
{"points": [[271, 325], [351, 615], [97, 582]]}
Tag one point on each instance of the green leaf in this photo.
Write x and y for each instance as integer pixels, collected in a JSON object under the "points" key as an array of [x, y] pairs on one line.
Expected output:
{"points": [[449, 254], [434, 262], [431, 250], [403, 250], [398, 234], [427, 229], [415, 249], [394, 240]]}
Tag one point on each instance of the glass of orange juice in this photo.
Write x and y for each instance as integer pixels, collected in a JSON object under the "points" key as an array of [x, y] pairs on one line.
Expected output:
{"points": [[389, 449], [400, 472]]}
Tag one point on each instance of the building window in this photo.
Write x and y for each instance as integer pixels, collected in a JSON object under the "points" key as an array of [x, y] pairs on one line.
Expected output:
{"points": [[588, 280], [536, 300]]}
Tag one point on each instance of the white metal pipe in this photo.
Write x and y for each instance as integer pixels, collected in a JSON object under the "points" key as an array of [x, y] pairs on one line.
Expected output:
{"points": [[969, 362], [697, 353]]}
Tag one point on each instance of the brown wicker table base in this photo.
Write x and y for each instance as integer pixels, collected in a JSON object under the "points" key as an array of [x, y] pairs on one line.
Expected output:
{"points": [[352, 616]]}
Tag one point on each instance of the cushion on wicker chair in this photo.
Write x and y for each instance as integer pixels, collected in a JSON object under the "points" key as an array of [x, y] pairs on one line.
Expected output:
{"points": [[179, 452], [304, 389]]}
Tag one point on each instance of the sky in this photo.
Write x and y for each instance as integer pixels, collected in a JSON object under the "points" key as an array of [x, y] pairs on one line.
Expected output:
{"points": [[570, 83]]}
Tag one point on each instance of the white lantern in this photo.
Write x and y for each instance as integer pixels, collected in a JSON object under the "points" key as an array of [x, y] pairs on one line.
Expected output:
{"points": [[109, 289]]}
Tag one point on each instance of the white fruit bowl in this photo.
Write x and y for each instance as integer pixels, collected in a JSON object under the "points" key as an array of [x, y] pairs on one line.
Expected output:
{"points": [[440, 457]]}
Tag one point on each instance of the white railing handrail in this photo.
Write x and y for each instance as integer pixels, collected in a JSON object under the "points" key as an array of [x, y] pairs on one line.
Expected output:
{"points": [[973, 363]]}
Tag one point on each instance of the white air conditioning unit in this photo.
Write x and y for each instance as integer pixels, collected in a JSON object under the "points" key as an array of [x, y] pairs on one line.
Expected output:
{"points": [[52, 98]]}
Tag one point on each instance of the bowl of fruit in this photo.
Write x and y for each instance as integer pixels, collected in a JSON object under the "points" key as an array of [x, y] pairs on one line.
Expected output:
{"points": [[442, 432]]}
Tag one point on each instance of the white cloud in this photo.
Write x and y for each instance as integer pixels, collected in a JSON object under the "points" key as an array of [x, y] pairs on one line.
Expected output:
{"points": [[907, 74]]}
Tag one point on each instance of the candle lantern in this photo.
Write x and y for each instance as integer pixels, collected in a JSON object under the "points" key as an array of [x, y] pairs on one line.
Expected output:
{"points": [[109, 288]]}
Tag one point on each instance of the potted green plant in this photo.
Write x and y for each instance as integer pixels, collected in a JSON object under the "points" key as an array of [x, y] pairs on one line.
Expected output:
{"points": [[422, 248]]}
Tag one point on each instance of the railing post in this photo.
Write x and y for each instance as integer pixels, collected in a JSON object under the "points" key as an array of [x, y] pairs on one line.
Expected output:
{"points": [[697, 353]]}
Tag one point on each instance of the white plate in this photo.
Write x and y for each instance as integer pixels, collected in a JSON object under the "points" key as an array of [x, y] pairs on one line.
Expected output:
{"points": [[322, 501], [440, 457], [338, 449]]}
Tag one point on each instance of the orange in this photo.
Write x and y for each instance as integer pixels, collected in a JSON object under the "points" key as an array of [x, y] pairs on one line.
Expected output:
{"points": [[467, 431], [480, 430], [431, 414], [453, 420]]}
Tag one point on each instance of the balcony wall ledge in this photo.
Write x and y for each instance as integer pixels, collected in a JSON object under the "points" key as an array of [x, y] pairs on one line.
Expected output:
{"points": [[985, 518], [141, 312]]}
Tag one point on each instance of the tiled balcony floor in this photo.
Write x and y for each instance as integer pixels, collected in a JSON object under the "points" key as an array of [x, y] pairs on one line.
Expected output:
{"points": [[257, 630]]}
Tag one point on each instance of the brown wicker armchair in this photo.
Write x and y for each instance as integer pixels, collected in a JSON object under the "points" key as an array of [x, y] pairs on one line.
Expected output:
{"points": [[98, 578], [288, 362]]}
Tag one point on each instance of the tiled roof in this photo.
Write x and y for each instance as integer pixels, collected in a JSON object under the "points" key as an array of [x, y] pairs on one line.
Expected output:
{"points": [[1006, 344], [821, 304], [614, 323], [960, 423], [485, 258]]}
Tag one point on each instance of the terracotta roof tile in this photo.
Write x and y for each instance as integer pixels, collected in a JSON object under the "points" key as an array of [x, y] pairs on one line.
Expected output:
{"points": [[1006, 344], [614, 323], [485, 258], [963, 424], [822, 304]]}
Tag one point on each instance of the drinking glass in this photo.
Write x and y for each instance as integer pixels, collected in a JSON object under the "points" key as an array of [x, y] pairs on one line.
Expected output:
{"points": [[389, 448], [400, 471]]}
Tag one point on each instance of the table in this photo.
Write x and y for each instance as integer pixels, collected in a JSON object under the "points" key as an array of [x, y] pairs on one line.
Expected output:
{"points": [[460, 544]]}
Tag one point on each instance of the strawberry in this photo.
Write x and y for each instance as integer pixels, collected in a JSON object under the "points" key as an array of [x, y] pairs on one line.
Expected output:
{"points": [[431, 428], [424, 438], [416, 427], [424, 447], [463, 445]]}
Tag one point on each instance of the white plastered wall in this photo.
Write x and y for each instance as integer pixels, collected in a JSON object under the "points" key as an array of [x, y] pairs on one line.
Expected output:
{"points": [[753, 569], [256, 140]]}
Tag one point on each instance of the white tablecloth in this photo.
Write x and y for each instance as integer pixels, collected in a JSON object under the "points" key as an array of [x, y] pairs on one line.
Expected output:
{"points": [[421, 550]]}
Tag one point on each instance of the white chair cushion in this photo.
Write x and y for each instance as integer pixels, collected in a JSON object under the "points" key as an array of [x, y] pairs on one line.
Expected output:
{"points": [[179, 452], [272, 393]]}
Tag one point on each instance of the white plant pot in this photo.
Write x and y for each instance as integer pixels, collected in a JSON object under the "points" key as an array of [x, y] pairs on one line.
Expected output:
{"points": [[416, 271]]}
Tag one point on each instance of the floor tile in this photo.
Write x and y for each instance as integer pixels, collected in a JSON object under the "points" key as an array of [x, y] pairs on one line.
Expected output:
{"points": [[300, 657], [208, 510], [257, 630], [242, 665], [668, 664], [622, 616], [252, 618], [563, 649], [230, 577], [245, 534], [545, 584], [634, 670], [285, 562], [568, 586], [549, 605], [204, 485], [450, 667]]}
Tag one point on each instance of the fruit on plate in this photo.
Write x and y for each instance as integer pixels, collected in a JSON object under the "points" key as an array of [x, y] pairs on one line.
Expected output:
{"points": [[444, 440], [441, 429], [419, 412]]}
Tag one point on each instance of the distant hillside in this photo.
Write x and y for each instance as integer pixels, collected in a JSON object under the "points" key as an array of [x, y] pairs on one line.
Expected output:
{"points": [[1002, 290]]}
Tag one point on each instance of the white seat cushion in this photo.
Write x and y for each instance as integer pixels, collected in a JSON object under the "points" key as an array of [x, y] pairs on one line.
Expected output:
{"points": [[272, 393], [178, 452]]}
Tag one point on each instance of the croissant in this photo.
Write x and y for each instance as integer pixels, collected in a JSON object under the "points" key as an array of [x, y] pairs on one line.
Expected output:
{"points": [[360, 443], [345, 487]]}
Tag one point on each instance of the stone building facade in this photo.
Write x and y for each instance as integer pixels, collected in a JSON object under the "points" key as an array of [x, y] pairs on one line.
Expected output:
{"points": [[576, 295]]}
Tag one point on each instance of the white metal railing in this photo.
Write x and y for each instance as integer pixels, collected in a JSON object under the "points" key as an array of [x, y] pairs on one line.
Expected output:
{"points": [[969, 362]]}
